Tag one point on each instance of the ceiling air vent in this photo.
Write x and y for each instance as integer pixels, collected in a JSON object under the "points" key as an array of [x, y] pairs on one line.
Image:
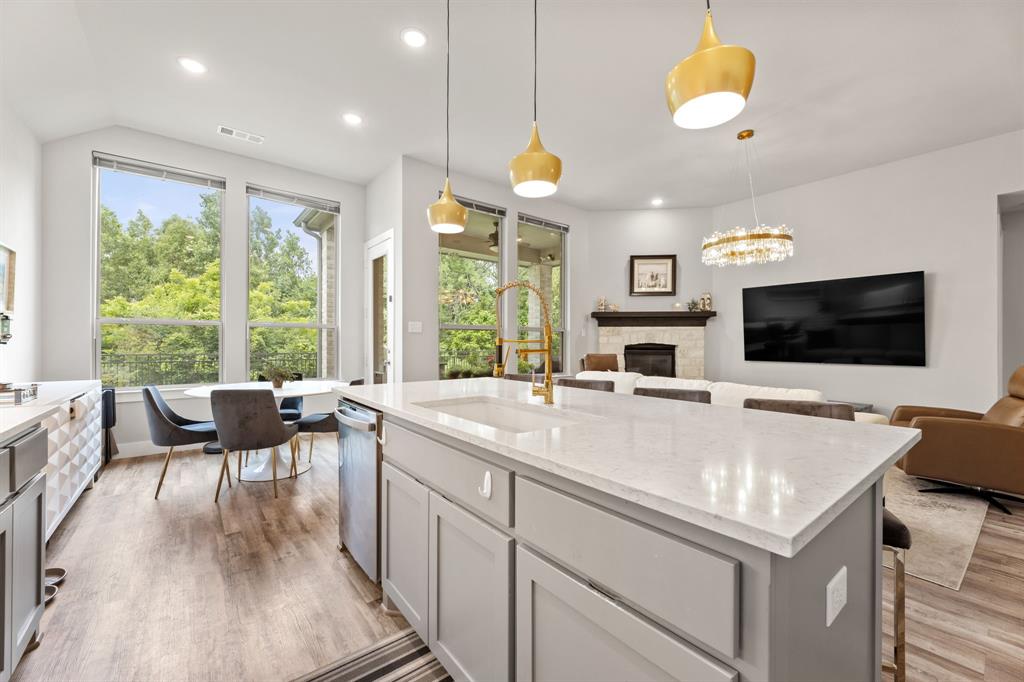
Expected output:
{"points": [[240, 135]]}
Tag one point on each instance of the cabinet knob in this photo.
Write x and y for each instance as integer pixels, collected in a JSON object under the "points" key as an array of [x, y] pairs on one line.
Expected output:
{"points": [[485, 489]]}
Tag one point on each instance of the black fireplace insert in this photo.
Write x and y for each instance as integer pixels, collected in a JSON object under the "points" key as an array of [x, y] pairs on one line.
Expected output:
{"points": [[651, 359]]}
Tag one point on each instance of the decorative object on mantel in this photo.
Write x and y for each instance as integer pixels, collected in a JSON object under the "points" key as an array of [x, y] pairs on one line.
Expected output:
{"points": [[705, 302], [757, 244], [652, 275], [602, 304], [613, 307], [678, 305], [693, 305], [652, 318]]}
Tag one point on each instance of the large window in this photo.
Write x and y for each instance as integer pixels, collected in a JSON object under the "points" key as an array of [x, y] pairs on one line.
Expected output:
{"points": [[540, 260], [292, 284], [159, 274], [470, 270]]}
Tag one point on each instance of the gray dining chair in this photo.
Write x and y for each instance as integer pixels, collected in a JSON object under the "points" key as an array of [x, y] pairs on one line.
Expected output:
{"points": [[168, 429], [321, 422], [249, 420], [593, 385], [688, 394]]}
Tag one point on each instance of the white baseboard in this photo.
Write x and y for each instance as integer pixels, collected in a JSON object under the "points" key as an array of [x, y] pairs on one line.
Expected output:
{"points": [[139, 448]]}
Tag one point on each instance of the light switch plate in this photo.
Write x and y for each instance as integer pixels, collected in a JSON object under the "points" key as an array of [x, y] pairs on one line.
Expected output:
{"points": [[835, 596], [415, 327]]}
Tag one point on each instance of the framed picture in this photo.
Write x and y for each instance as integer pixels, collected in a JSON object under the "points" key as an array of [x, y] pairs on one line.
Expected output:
{"points": [[652, 275], [7, 259]]}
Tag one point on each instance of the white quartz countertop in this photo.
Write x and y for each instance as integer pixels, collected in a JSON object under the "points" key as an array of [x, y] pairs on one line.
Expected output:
{"points": [[767, 479], [16, 418]]}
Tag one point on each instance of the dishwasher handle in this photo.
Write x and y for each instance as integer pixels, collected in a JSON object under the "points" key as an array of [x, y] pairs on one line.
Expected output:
{"points": [[357, 424]]}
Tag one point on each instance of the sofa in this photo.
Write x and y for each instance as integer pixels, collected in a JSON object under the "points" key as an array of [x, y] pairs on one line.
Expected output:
{"points": [[722, 392]]}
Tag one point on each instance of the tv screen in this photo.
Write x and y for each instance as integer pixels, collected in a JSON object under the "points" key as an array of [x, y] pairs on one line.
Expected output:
{"points": [[875, 320]]}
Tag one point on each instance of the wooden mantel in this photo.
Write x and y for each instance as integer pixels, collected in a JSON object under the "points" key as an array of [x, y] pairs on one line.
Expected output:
{"points": [[652, 318]]}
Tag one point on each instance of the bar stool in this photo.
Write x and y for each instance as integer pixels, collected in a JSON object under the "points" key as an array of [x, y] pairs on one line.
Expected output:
{"points": [[896, 539], [608, 386], [688, 394]]}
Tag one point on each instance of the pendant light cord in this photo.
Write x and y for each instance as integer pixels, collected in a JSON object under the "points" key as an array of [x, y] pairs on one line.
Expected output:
{"points": [[447, 85], [750, 181], [534, 61]]}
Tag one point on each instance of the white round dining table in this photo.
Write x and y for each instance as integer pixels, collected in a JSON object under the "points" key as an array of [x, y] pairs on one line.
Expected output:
{"points": [[259, 466]]}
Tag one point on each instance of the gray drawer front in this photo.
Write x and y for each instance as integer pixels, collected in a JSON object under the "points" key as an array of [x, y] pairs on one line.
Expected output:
{"points": [[690, 589], [6, 489], [565, 630], [458, 475], [27, 458]]}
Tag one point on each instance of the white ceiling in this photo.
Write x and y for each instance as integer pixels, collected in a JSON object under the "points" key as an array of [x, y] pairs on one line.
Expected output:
{"points": [[840, 85]]}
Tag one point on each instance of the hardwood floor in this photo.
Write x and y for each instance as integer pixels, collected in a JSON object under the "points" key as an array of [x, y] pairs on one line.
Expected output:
{"points": [[253, 588], [976, 633]]}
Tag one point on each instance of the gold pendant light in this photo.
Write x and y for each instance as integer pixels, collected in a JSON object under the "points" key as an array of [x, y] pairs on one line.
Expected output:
{"points": [[447, 215], [710, 86], [748, 245], [535, 172]]}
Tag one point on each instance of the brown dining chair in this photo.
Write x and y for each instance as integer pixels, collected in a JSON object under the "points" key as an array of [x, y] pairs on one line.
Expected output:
{"points": [[687, 394], [807, 408], [590, 384]]}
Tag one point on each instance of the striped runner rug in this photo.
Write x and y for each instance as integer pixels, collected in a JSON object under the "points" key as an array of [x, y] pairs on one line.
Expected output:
{"points": [[400, 658]]}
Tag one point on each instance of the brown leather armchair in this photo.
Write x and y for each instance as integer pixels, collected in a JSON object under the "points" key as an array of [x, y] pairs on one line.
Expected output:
{"points": [[599, 362], [980, 454]]}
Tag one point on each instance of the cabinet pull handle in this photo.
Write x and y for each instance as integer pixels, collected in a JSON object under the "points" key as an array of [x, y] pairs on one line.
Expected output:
{"points": [[485, 489]]}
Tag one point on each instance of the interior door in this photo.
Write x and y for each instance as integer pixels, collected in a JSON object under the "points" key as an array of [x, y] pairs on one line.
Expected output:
{"points": [[380, 310]]}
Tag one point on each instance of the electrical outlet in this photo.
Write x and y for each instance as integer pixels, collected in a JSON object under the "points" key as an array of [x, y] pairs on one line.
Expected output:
{"points": [[415, 327], [835, 596]]}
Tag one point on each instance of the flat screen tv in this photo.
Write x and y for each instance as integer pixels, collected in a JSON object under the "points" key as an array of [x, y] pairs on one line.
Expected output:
{"points": [[875, 320]]}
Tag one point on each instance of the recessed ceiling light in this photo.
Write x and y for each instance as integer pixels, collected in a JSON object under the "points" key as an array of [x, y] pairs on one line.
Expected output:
{"points": [[413, 37], [657, 201], [191, 65], [352, 119]]}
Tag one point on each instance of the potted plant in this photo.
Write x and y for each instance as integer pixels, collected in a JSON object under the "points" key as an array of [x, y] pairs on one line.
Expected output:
{"points": [[277, 375]]}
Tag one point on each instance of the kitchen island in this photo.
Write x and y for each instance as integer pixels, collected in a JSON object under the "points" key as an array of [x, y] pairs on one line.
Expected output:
{"points": [[612, 537]]}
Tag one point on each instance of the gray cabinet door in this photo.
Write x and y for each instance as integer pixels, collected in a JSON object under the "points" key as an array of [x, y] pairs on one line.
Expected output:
{"points": [[567, 631], [28, 533], [470, 594], [6, 541], [404, 545]]}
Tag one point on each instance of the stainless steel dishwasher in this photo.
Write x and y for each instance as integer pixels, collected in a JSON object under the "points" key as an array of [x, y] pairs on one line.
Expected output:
{"points": [[359, 457]]}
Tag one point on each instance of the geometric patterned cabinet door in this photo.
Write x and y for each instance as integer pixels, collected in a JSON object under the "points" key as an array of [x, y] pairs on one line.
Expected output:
{"points": [[75, 440]]}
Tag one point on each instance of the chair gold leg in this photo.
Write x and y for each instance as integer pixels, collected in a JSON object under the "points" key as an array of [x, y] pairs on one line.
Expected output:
{"points": [[227, 467], [167, 460], [312, 437], [273, 468], [246, 458], [899, 603], [220, 478], [239, 465]]}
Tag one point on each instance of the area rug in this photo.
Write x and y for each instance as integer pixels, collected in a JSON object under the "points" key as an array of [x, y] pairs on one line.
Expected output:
{"points": [[944, 528], [400, 658]]}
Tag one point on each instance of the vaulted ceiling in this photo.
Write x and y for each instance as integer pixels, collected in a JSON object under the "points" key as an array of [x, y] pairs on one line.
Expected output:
{"points": [[840, 85]]}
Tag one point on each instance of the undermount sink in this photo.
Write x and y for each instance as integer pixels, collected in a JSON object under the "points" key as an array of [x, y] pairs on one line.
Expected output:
{"points": [[504, 415]]}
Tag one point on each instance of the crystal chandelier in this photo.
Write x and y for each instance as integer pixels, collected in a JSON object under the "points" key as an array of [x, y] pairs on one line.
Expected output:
{"points": [[748, 245]]}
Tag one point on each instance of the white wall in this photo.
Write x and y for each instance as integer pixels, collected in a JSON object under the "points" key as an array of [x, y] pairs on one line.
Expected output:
{"points": [[21, 230], [936, 212], [1013, 291], [616, 235], [69, 243], [418, 260]]}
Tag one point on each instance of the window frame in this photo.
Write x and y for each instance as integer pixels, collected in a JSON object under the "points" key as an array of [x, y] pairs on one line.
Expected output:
{"points": [[502, 215], [102, 161], [562, 329], [280, 196]]}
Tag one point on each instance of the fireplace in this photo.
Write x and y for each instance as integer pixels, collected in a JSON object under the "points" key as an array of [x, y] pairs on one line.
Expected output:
{"points": [[651, 359]]}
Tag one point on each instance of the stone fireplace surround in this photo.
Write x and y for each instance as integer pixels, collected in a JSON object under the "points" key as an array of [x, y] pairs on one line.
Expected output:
{"points": [[689, 343]]}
